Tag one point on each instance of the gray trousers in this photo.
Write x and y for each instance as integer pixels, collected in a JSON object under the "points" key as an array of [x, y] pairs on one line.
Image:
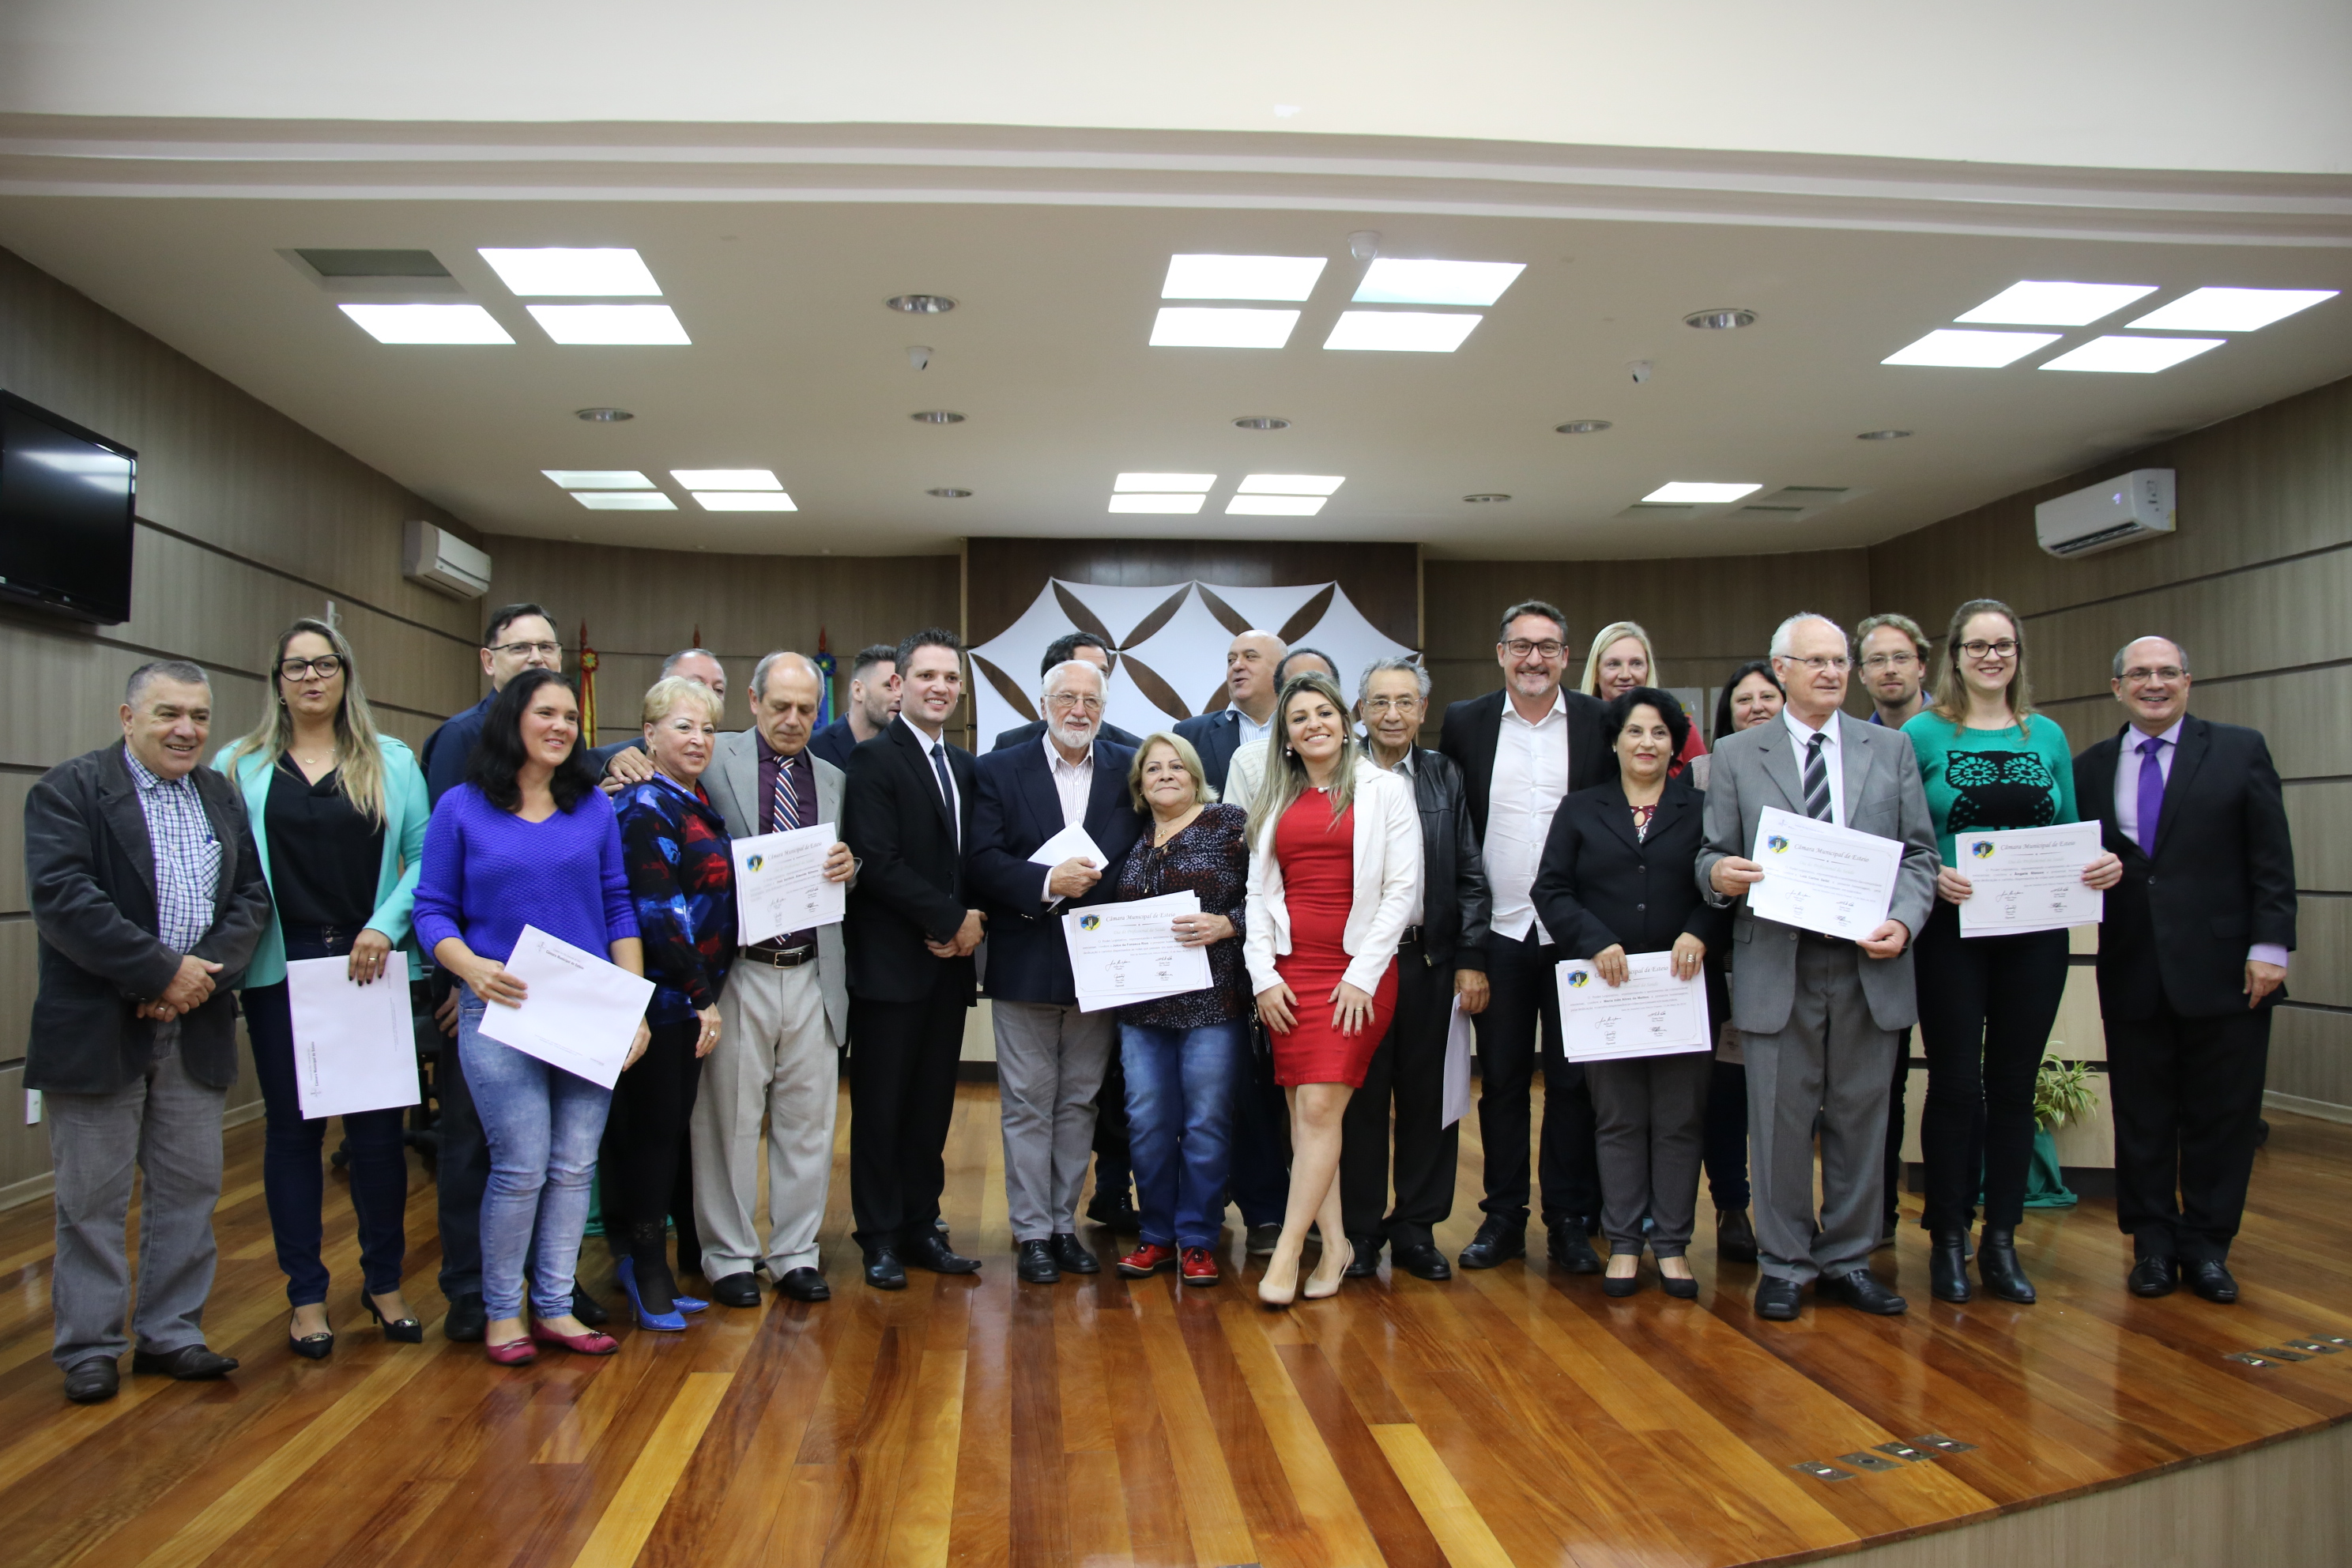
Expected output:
{"points": [[1049, 1068], [776, 1059], [167, 1126], [1833, 1061], [1651, 1119]]}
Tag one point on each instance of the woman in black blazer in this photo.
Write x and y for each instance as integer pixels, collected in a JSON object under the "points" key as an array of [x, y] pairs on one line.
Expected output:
{"points": [[1616, 878]]}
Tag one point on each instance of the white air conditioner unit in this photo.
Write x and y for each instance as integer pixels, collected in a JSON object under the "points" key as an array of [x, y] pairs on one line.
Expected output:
{"points": [[443, 562], [2134, 506]]}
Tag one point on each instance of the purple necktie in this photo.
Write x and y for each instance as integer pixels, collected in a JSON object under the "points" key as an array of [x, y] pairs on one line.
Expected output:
{"points": [[2151, 792]]}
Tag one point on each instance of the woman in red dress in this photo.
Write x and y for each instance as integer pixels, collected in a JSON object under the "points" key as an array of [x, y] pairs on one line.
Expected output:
{"points": [[1335, 873]]}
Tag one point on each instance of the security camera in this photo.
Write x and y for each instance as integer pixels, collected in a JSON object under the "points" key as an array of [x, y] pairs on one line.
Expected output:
{"points": [[1364, 244], [1641, 370], [918, 356]]}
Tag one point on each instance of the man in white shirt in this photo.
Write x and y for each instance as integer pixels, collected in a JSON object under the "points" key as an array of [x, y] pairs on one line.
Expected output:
{"points": [[1247, 769], [1250, 689]]}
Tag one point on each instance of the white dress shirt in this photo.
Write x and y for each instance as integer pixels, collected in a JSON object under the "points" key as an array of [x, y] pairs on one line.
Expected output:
{"points": [[931, 769], [1530, 778], [2128, 762], [1252, 729], [1073, 782], [1831, 748], [1407, 771]]}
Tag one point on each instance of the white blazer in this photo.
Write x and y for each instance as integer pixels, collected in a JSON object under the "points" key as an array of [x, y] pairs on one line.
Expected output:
{"points": [[1388, 886]]}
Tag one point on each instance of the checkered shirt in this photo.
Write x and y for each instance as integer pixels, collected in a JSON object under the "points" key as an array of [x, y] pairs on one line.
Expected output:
{"points": [[187, 856]]}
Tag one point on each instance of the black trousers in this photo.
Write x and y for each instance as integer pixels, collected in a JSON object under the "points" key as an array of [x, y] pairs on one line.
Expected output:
{"points": [[902, 1078], [1894, 1127], [1408, 1067], [1524, 998], [2187, 1100], [1259, 1184], [1113, 1173], [1725, 1151], [645, 1134], [1986, 1006]]}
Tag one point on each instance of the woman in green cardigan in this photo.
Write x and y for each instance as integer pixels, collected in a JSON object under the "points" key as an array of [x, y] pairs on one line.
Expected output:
{"points": [[338, 813]]}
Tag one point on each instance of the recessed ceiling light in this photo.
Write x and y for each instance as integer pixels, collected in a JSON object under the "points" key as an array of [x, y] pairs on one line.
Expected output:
{"points": [[1240, 277], [1697, 492], [1975, 351], [603, 415], [1192, 327], [1729, 319], [921, 304], [745, 500], [1582, 427], [1260, 421], [949, 492], [727, 479], [1883, 436], [2232, 310], [1403, 332], [428, 323], [1273, 506], [1164, 482], [1487, 498], [1392, 280], [2133, 356], [2032, 304], [559, 270], [1291, 484], [654, 324], [599, 478], [936, 416], [1156, 503], [625, 500]]}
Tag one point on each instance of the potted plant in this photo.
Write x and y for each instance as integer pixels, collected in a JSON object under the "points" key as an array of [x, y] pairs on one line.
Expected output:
{"points": [[2063, 1094]]}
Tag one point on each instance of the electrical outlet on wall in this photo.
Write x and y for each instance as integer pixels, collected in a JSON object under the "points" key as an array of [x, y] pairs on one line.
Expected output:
{"points": [[32, 1107]]}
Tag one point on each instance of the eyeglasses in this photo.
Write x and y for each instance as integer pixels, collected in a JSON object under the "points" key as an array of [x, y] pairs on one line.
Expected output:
{"points": [[1378, 705], [1519, 648], [1816, 661], [525, 649], [1889, 661], [2005, 648], [1071, 701], [2166, 674], [327, 666]]}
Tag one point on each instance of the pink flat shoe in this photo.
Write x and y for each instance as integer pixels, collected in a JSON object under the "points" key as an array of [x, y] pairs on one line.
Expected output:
{"points": [[590, 1344], [514, 1352]]}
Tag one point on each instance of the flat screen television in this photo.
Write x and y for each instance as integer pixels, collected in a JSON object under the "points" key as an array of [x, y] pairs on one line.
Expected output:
{"points": [[67, 497]]}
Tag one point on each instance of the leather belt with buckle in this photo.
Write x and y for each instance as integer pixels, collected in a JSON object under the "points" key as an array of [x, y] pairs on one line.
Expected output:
{"points": [[780, 957], [1412, 937]]}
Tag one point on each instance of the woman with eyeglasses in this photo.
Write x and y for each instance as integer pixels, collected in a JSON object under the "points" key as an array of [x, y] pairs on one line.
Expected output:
{"points": [[1621, 659], [338, 813], [1986, 1003]]}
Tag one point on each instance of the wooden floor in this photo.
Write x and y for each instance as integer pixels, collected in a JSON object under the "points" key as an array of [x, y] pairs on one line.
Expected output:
{"points": [[1514, 1417]]}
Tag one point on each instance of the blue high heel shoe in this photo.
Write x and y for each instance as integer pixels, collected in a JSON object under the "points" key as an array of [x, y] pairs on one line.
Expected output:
{"points": [[689, 1303], [670, 1322]]}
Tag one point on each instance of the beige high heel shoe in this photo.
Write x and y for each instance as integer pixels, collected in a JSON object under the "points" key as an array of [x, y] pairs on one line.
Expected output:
{"points": [[1337, 1264]]}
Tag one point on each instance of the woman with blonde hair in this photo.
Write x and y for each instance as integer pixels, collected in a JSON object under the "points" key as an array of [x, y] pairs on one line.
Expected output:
{"points": [[338, 813], [1621, 659]]}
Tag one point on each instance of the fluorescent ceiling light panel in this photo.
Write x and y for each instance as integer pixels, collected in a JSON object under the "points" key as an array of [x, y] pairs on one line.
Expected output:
{"points": [[745, 500], [1273, 506], [655, 325], [2231, 309], [428, 323], [599, 478], [1403, 331], [2032, 304], [1192, 327], [625, 500], [1692, 492], [727, 479], [2133, 356], [564, 272], [1291, 484], [1240, 277], [1975, 351], [1391, 281], [1184, 504], [1163, 482]]}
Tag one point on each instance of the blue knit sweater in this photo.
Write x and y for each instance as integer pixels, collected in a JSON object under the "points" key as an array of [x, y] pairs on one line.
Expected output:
{"points": [[489, 873]]}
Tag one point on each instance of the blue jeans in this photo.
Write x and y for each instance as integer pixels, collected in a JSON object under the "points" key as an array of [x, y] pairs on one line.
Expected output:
{"points": [[543, 1125], [1182, 1085]]}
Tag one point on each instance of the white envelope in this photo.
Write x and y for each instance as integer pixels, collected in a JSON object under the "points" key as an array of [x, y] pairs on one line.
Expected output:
{"points": [[354, 1046], [1458, 1067], [581, 1012], [1068, 845]]}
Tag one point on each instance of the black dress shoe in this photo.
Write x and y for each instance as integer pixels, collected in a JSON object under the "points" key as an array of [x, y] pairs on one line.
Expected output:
{"points": [[93, 1381], [1777, 1299], [1997, 1265], [883, 1269], [803, 1285], [1262, 1239], [1366, 1261], [2155, 1276], [587, 1308], [1735, 1236], [1070, 1255], [2212, 1280], [189, 1364], [737, 1289], [1568, 1248], [1036, 1266], [1860, 1290], [1421, 1259], [930, 1250], [1948, 1265], [467, 1319], [1498, 1241], [1114, 1210]]}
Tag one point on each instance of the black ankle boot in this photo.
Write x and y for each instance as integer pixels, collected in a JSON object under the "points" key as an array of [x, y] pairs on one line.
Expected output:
{"points": [[648, 1248], [1948, 1265], [1997, 1265]]}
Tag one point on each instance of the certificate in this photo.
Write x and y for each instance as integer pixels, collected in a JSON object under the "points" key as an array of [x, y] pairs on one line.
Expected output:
{"points": [[581, 1012], [780, 884], [1070, 844], [1124, 953], [354, 1046], [2028, 878], [1821, 877], [1651, 1015], [1457, 1068]]}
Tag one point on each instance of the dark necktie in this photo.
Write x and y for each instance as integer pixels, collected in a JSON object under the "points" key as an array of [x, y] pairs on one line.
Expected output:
{"points": [[2151, 792], [786, 810], [1817, 779], [947, 789]]}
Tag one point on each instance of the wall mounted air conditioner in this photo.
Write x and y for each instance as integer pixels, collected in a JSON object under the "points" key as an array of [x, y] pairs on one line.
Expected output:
{"points": [[443, 562], [2137, 505]]}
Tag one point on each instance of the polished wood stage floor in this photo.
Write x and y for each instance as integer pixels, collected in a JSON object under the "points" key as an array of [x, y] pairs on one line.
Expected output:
{"points": [[1514, 1416]]}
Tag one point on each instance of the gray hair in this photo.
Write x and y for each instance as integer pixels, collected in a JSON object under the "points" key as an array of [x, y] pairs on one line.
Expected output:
{"points": [[1550, 612], [1780, 633], [2145, 637], [760, 671], [155, 669], [1418, 670], [1102, 682], [669, 665]]}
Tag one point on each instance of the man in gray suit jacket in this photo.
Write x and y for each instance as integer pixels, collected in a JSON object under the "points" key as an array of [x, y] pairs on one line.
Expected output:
{"points": [[782, 1016], [1817, 1016]]}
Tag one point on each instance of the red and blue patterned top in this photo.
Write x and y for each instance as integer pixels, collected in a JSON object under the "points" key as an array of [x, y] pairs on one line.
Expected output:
{"points": [[681, 872]]}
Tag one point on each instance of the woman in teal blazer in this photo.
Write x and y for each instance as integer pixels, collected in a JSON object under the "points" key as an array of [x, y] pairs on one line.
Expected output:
{"points": [[338, 814]]}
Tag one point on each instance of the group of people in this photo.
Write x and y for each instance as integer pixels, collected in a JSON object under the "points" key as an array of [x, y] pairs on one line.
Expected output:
{"points": [[1353, 889]]}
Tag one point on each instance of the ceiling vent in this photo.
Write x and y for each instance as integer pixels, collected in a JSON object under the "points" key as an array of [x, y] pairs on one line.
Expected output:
{"points": [[375, 274]]}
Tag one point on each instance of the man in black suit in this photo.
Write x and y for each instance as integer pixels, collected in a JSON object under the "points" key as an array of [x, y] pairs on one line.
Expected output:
{"points": [[872, 703], [1061, 651], [911, 932], [1251, 662], [2192, 959], [1521, 750]]}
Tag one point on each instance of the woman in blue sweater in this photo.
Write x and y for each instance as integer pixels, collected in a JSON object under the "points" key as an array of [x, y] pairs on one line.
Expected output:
{"points": [[528, 839]]}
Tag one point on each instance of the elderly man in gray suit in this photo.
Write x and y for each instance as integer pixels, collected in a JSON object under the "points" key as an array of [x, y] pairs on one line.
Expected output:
{"points": [[1817, 1016], [782, 1016]]}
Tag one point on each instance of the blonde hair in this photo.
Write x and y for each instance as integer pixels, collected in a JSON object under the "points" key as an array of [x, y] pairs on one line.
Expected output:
{"points": [[1203, 793], [359, 748], [1285, 775], [1952, 692], [1617, 631], [662, 696]]}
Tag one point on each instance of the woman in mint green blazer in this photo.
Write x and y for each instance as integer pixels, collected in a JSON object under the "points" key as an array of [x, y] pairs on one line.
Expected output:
{"points": [[338, 814]]}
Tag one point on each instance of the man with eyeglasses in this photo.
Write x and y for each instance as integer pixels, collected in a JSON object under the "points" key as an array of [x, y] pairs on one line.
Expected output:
{"points": [[1061, 651], [2192, 960], [1520, 750], [518, 637]]}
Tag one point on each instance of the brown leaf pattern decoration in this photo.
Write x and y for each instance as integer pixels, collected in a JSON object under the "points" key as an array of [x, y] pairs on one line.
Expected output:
{"points": [[1007, 687], [1156, 691]]}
